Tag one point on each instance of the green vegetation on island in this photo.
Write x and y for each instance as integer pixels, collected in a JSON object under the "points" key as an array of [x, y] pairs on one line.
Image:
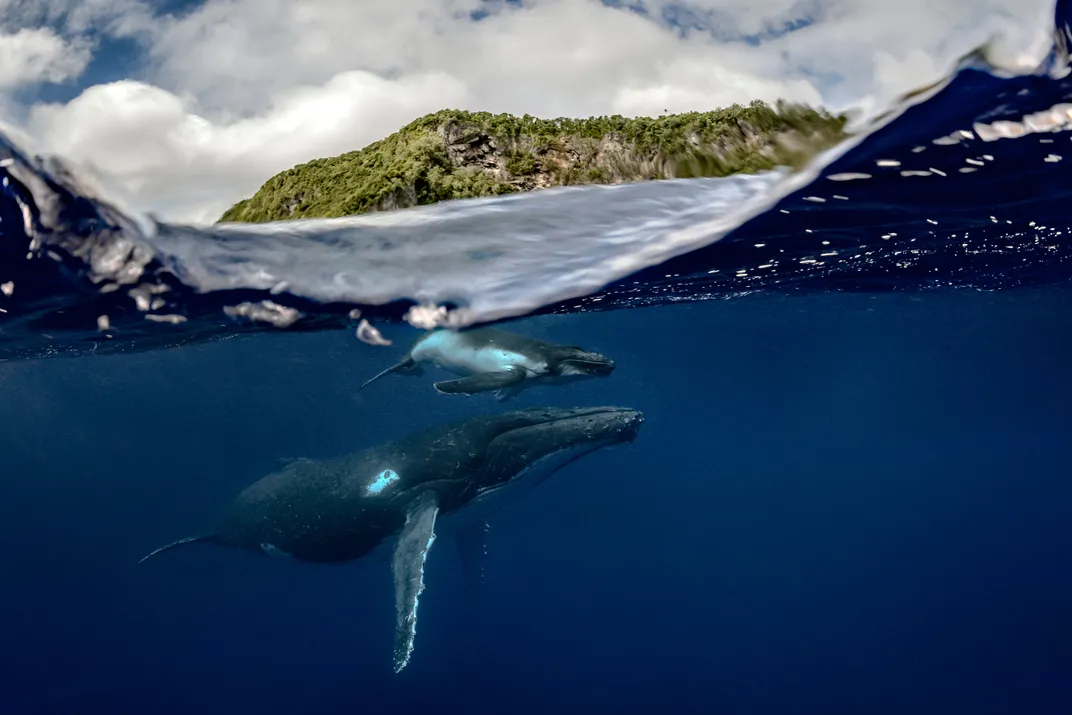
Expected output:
{"points": [[454, 154]]}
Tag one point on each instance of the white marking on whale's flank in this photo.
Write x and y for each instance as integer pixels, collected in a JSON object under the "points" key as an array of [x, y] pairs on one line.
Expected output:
{"points": [[382, 481]]}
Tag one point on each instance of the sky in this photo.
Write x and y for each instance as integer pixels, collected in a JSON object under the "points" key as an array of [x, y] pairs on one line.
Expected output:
{"points": [[180, 107]]}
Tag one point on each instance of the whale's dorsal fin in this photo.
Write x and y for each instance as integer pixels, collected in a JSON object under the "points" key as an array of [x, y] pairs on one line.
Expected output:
{"points": [[407, 564]]}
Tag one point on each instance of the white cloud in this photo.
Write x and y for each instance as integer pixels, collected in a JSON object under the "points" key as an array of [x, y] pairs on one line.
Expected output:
{"points": [[166, 157], [240, 89], [39, 55]]}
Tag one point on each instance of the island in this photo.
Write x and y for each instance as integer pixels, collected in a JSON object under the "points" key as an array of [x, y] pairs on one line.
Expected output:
{"points": [[454, 154]]}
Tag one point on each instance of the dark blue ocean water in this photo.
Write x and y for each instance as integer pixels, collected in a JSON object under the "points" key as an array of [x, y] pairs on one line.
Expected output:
{"points": [[838, 504], [851, 493]]}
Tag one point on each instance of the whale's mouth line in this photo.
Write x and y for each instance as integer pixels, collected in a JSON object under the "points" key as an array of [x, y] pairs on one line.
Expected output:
{"points": [[627, 429], [593, 412], [625, 414], [589, 366]]}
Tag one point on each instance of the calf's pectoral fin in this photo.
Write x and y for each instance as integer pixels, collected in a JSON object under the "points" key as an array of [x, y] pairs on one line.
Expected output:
{"points": [[407, 564], [484, 382]]}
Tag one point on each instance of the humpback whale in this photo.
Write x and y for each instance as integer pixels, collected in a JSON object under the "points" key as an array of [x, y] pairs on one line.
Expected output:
{"points": [[340, 509], [490, 359]]}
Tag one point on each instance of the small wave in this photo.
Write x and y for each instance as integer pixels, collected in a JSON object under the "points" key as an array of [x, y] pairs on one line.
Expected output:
{"points": [[490, 258], [925, 195]]}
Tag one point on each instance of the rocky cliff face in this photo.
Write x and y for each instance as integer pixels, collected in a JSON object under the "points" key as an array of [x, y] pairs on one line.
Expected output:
{"points": [[527, 164], [454, 154]]}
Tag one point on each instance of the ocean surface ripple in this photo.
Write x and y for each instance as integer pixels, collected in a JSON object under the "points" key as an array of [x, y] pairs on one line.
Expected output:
{"points": [[962, 186]]}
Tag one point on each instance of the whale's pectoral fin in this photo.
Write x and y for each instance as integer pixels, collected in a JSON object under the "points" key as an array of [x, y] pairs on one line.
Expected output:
{"points": [[410, 553], [484, 382]]}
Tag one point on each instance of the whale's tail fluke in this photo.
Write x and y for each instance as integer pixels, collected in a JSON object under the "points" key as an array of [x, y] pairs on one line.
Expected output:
{"points": [[181, 542], [405, 364]]}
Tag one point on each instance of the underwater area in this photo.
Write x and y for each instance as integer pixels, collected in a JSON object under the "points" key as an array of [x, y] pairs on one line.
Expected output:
{"points": [[837, 503], [850, 491]]}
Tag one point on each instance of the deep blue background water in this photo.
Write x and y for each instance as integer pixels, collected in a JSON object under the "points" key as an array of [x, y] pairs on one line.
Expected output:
{"points": [[838, 504]]}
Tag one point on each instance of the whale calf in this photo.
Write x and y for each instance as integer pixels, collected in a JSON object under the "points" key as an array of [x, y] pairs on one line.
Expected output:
{"points": [[340, 509], [490, 359]]}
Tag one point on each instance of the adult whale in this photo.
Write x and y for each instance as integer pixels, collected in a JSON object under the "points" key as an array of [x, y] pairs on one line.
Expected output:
{"points": [[492, 359], [341, 509]]}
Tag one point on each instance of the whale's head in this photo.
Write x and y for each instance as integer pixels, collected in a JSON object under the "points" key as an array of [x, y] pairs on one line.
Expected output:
{"points": [[573, 361], [539, 442]]}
